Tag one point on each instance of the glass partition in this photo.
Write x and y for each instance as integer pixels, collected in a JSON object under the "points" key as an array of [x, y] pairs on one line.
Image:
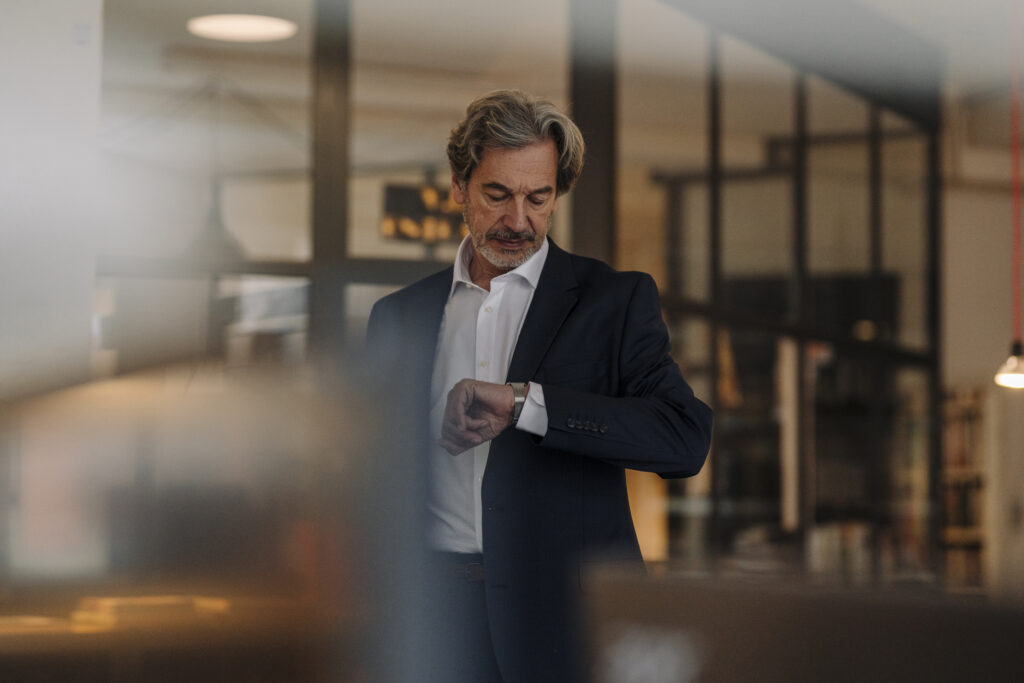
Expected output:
{"points": [[756, 182], [850, 403], [690, 500], [903, 547], [662, 151], [755, 459], [841, 293], [904, 162]]}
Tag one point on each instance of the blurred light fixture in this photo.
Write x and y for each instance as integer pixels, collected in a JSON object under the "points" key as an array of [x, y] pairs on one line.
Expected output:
{"points": [[241, 28], [215, 243], [1011, 374]]}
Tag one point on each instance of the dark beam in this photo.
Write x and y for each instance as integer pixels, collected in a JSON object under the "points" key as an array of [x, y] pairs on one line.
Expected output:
{"points": [[675, 237], [714, 141], [592, 91], [807, 458], [875, 193], [932, 217], [331, 119]]}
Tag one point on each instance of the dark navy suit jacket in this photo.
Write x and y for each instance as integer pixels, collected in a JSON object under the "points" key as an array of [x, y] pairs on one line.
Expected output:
{"points": [[595, 340]]}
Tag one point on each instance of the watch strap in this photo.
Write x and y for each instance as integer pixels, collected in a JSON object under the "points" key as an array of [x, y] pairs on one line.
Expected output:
{"points": [[519, 391]]}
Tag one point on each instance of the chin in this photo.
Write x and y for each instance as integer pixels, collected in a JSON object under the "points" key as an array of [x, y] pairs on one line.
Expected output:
{"points": [[506, 259]]}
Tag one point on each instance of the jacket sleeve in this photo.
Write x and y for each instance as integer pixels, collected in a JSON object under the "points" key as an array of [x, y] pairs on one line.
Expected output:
{"points": [[655, 423]]}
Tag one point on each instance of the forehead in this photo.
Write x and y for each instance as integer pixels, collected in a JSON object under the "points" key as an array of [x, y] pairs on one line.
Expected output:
{"points": [[531, 167]]}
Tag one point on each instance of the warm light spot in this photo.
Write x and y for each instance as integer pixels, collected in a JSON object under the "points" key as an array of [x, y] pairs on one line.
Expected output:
{"points": [[241, 28], [865, 330]]}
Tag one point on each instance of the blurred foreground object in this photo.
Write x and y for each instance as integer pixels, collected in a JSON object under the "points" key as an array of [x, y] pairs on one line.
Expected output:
{"points": [[194, 522], [677, 630]]}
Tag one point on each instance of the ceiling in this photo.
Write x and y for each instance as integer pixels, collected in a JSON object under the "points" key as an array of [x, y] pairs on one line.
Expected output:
{"points": [[417, 63], [975, 36]]}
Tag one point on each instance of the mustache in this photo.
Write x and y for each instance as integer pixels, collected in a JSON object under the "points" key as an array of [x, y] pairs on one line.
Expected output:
{"points": [[506, 234]]}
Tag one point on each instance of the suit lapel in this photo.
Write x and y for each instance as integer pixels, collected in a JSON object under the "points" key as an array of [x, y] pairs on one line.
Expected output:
{"points": [[551, 303]]}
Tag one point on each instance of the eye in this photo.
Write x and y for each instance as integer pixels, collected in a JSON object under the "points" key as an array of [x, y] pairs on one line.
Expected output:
{"points": [[538, 201], [497, 198]]}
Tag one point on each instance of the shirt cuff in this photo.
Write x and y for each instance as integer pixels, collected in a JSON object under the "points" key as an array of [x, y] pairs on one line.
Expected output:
{"points": [[534, 418]]}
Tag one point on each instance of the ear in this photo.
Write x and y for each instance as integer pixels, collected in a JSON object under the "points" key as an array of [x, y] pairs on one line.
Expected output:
{"points": [[458, 192]]}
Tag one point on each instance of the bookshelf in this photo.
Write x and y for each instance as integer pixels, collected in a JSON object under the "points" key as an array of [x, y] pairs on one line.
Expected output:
{"points": [[963, 490]]}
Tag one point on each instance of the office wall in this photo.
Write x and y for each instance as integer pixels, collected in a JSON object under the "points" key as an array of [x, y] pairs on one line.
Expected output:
{"points": [[976, 308]]}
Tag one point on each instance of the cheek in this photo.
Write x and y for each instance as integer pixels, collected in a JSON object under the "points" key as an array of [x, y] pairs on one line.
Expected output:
{"points": [[542, 219], [484, 215]]}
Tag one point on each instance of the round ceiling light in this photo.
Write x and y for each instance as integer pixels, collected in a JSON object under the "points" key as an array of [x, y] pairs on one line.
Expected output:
{"points": [[241, 28]]}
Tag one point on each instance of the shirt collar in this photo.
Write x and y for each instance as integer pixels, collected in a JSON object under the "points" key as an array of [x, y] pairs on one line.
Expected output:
{"points": [[529, 271]]}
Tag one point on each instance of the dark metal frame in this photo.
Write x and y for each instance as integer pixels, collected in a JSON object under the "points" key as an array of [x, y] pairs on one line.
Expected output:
{"points": [[771, 30]]}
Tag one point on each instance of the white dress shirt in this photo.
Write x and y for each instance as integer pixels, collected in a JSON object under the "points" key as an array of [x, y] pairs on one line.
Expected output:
{"points": [[477, 338]]}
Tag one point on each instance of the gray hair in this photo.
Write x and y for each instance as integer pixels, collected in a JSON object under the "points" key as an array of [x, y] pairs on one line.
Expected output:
{"points": [[510, 119]]}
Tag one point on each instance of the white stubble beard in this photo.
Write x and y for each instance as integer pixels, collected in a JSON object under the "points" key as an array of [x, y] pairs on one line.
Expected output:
{"points": [[496, 257]]}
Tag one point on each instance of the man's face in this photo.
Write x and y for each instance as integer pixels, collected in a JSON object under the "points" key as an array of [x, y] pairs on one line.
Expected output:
{"points": [[508, 202]]}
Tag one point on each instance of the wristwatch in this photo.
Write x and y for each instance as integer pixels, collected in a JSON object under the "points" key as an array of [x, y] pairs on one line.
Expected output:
{"points": [[519, 390]]}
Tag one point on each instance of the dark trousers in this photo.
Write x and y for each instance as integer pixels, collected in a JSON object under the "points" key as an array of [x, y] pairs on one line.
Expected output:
{"points": [[459, 637]]}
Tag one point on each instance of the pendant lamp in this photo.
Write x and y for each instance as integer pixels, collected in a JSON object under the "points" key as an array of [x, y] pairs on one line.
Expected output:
{"points": [[1011, 373]]}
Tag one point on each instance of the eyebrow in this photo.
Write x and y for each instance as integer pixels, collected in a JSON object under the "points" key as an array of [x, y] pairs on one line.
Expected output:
{"points": [[547, 189]]}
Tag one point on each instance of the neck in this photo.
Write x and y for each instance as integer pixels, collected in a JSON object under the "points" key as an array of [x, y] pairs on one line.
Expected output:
{"points": [[482, 271]]}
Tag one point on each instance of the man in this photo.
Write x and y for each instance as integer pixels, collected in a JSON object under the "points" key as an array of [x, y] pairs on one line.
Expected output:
{"points": [[550, 374]]}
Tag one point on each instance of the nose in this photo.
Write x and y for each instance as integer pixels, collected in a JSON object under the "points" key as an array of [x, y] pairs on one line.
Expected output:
{"points": [[515, 215]]}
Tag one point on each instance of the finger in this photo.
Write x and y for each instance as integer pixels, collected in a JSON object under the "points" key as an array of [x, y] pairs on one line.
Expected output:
{"points": [[477, 432], [455, 447], [450, 447], [462, 441], [456, 407], [474, 424], [460, 415], [460, 437]]}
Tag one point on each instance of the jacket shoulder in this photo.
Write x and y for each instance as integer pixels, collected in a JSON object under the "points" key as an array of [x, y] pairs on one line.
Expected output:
{"points": [[596, 274], [412, 295]]}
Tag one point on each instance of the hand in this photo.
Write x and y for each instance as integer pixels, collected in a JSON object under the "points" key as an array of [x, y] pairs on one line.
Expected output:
{"points": [[475, 412]]}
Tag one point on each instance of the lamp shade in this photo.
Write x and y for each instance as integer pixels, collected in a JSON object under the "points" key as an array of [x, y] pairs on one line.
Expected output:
{"points": [[1011, 373]]}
